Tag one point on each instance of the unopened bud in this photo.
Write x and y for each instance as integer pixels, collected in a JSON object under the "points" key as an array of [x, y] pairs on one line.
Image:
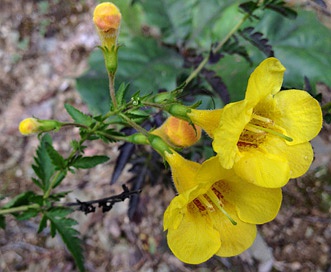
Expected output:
{"points": [[178, 133], [107, 19], [33, 125]]}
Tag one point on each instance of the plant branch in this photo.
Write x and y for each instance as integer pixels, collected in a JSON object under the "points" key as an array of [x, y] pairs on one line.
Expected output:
{"points": [[19, 209]]}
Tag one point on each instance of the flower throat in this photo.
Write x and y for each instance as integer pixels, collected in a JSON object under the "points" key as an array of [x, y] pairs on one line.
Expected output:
{"points": [[209, 201], [257, 129]]}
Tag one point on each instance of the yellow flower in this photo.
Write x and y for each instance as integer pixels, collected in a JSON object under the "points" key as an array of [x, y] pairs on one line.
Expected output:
{"points": [[178, 133], [265, 137], [206, 119], [215, 213], [33, 125], [107, 19]]}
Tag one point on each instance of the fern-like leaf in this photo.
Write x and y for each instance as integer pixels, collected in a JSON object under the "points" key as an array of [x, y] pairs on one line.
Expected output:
{"points": [[78, 116], [256, 39], [43, 166], [70, 236]]}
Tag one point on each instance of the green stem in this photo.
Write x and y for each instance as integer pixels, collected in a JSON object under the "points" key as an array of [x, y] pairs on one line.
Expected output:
{"points": [[54, 180], [19, 209], [217, 48], [134, 125], [111, 78], [74, 124]]}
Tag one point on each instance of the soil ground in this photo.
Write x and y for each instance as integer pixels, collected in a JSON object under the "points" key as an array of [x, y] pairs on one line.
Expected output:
{"points": [[44, 45]]}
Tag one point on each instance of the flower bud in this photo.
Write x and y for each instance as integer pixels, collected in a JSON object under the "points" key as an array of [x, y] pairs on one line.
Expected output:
{"points": [[33, 125], [178, 133], [107, 19]]}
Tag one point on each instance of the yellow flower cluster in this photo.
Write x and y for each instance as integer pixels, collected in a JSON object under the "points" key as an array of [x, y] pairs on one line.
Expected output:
{"points": [[261, 142]]}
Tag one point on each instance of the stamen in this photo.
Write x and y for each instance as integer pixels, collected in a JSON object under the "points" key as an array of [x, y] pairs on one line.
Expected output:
{"points": [[206, 203], [216, 201], [261, 118], [253, 128], [258, 128]]}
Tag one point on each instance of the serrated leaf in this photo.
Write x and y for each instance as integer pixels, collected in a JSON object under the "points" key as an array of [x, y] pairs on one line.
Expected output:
{"points": [[69, 235], [42, 224], [55, 157], [78, 116], [43, 166], [120, 93], [19, 200], [217, 85], [89, 162], [25, 215], [257, 40], [281, 8], [249, 6]]}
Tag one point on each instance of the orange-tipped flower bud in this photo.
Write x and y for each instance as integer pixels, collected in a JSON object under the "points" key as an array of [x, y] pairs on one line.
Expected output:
{"points": [[179, 133], [32, 125], [107, 19]]}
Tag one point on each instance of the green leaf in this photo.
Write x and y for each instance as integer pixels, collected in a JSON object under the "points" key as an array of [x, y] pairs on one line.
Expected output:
{"points": [[25, 215], [55, 156], [70, 236], [173, 17], [89, 162], [281, 7], [302, 45], [19, 200], [120, 93], [42, 224], [148, 66], [2, 222], [43, 166], [78, 116]]}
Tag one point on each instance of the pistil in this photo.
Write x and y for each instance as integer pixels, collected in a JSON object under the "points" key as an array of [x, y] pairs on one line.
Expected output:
{"points": [[260, 129], [216, 201]]}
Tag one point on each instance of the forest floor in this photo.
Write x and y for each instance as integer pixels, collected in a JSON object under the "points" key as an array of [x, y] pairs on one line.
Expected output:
{"points": [[44, 46]]}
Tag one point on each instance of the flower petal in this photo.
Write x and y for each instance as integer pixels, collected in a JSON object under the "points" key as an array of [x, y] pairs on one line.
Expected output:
{"points": [[266, 79], [263, 168], [299, 156], [208, 120], [183, 171], [299, 114], [195, 240], [254, 204], [234, 118], [234, 238]]}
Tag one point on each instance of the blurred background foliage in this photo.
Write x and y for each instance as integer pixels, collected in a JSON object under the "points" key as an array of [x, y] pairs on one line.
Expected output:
{"points": [[162, 41]]}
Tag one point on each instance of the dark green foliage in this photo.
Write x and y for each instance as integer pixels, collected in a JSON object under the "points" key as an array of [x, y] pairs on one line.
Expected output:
{"points": [[327, 118], [59, 223], [257, 39], [57, 160], [89, 162], [43, 166], [19, 200], [281, 8], [2, 222]]}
